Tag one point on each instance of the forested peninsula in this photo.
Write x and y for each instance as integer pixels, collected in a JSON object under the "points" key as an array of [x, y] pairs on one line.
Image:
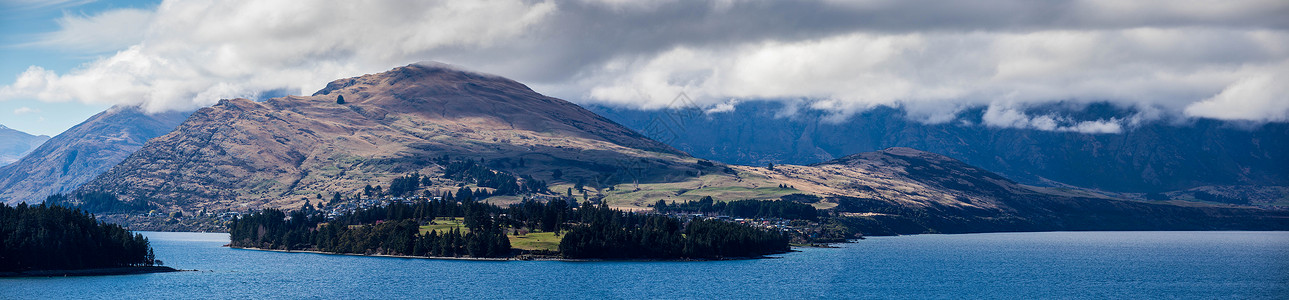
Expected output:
{"points": [[448, 228], [51, 240]]}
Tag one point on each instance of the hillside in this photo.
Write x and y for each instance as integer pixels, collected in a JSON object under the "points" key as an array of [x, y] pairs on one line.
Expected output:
{"points": [[903, 191], [961, 198], [82, 152], [1154, 156], [14, 144], [241, 154]]}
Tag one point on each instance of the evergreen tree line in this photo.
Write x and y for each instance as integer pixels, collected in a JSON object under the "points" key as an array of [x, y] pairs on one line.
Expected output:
{"points": [[743, 209], [393, 229], [51, 237], [592, 232], [97, 202], [613, 234], [548, 216]]}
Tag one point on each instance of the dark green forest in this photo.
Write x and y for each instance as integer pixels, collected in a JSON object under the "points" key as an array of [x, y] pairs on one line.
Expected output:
{"points": [[612, 234], [589, 232], [51, 237], [386, 230]]}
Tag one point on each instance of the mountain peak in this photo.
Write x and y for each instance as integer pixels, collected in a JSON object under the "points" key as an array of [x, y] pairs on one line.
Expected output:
{"points": [[268, 154], [419, 74], [437, 91]]}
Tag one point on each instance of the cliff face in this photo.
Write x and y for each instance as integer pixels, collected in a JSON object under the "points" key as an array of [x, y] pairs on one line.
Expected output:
{"points": [[82, 152], [15, 144], [239, 153]]}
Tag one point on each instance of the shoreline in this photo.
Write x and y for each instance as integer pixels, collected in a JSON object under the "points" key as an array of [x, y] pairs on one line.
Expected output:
{"points": [[89, 272], [514, 258]]}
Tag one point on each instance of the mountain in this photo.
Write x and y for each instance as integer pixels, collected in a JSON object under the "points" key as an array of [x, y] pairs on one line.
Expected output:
{"points": [[79, 154], [14, 144], [284, 151], [1150, 157], [465, 130]]}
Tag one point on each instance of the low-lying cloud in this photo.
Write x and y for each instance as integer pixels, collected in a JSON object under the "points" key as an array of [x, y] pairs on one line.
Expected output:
{"points": [[1224, 60]]}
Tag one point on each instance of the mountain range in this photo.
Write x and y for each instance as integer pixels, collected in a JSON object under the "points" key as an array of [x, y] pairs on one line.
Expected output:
{"points": [[467, 130], [15, 144], [82, 152], [1153, 157]]}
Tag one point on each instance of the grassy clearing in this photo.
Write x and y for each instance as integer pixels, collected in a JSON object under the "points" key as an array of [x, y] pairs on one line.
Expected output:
{"points": [[720, 187], [442, 225], [536, 241]]}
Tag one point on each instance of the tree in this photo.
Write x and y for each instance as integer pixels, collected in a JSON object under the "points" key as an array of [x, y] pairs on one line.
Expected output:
{"points": [[340, 99], [51, 237]]}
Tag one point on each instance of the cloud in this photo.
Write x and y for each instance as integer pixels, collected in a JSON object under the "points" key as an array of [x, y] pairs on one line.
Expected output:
{"points": [[194, 53], [1183, 59], [728, 106], [25, 110], [1262, 96], [1007, 117]]}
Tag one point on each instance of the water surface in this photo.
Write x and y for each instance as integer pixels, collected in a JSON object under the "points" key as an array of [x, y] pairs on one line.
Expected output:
{"points": [[1098, 265]]}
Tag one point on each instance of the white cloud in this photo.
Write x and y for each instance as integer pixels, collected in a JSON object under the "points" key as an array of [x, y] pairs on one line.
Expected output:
{"points": [[194, 53], [934, 59], [935, 75], [25, 110], [1262, 96], [728, 106], [1002, 116]]}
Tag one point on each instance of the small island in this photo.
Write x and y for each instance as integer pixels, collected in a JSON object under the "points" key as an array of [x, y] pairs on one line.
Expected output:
{"points": [[459, 227], [50, 240]]}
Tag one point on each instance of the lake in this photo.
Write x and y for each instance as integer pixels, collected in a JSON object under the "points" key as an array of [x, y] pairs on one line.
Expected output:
{"points": [[1246, 265]]}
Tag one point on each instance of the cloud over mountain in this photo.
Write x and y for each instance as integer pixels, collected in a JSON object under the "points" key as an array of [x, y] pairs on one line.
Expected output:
{"points": [[1222, 60]]}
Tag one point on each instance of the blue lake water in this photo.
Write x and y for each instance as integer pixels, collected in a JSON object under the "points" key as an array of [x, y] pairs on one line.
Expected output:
{"points": [[1242, 265]]}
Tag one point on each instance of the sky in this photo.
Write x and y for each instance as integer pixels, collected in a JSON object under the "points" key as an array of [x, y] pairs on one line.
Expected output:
{"points": [[1162, 59]]}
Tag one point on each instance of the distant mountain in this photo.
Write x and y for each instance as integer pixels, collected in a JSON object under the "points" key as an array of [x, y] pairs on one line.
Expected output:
{"points": [[82, 152], [14, 144], [938, 194], [284, 151], [1151, 157]]}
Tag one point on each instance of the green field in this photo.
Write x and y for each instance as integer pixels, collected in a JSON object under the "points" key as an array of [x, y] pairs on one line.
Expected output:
{"points": [[536, 241], [442, 225]]}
